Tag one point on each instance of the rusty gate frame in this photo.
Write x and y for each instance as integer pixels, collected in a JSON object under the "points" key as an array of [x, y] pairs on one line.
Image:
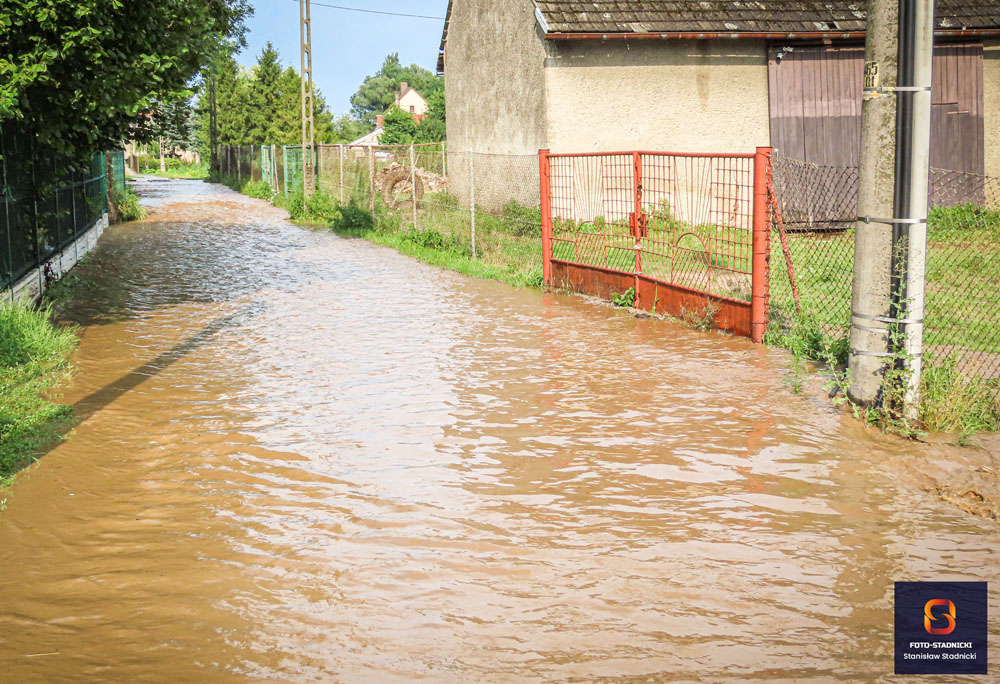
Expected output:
{"points": [[748, 319]]}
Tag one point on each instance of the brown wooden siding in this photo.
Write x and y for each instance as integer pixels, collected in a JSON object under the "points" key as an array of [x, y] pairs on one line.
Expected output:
{"points": [[815, 102]]}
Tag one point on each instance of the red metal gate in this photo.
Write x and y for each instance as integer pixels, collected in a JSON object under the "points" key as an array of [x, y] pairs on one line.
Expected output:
{"points": [[690, 232]]}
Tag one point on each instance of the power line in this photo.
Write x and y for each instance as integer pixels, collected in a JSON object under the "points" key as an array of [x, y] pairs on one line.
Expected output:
{"points": [[368, 11]]}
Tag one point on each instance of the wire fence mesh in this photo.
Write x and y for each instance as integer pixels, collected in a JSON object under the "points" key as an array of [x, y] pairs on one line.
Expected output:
{"points": [[485, 206], [36, 222], [818, 207]]}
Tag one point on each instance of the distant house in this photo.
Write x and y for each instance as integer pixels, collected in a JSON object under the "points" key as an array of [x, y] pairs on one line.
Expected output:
{"points": [[407, 99], [701, 76]]}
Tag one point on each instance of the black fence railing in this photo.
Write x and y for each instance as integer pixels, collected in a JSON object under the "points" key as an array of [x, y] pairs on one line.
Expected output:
{"points": [[36, 223]]}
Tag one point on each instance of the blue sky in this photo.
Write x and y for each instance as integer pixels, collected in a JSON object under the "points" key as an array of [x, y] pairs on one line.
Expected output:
{"points": [[347, 46]]}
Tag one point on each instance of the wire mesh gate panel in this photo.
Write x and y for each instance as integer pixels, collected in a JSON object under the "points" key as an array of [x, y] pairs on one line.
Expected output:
{"points": [[681, 229]]}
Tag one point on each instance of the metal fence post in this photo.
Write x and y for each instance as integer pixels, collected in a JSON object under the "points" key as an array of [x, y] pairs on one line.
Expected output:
{"points": [[637, 225], [472, 200], [239, 164], [371, 179], [341, 173], [413, 185], [761, 237], [546, 198], [274, 168], [444, 159]]}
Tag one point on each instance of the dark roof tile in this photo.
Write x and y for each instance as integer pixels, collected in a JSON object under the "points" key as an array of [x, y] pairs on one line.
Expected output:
{"points": [[776, 16]]}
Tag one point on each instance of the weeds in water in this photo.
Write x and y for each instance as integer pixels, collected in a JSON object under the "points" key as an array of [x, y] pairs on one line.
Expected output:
{"points": [[33, 358], [703, 319], [626, 298], [62, 289], [259, 189], [127, 201]]}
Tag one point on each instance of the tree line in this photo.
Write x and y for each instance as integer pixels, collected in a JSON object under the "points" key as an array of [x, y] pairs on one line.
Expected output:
{"points": [[81, 76], [263, 105]]}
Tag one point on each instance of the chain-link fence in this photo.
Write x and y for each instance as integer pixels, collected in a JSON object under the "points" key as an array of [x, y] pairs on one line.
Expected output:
{"points": [[818, 207], [483, 205], [35, 222]]}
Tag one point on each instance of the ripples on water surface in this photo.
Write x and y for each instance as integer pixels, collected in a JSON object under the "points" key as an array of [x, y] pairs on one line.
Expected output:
{"points": [[308, 458]]}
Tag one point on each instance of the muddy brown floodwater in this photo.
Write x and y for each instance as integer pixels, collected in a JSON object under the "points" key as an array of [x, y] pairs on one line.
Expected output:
{"points": [[305, 458]]}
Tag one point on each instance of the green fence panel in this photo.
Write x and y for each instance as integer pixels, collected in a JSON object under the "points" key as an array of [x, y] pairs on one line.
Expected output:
{"points": [[118, 169]]}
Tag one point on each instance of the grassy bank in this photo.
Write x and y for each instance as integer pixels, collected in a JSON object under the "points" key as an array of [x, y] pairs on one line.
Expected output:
{"points": [[176, 169], [505, 249], [949, 401], [33, 358]]}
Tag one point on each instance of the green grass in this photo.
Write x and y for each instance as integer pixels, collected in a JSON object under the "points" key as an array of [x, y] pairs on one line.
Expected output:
{"points": [[175, 169], [33, 359], [957, 403], [963, 272], [129, 208], [444, 239]]}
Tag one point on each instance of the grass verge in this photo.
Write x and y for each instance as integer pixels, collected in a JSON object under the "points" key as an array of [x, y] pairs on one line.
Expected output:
{"points": [[33, 358], [506, 250], [949, 401], [178, 170]]}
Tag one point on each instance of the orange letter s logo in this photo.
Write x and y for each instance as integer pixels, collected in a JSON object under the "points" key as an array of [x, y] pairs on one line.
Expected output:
{"points": [[949, 616]]}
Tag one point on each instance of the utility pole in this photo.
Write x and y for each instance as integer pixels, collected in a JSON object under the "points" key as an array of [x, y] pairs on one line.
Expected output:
{"points": [[308, 134], [891, 232]]}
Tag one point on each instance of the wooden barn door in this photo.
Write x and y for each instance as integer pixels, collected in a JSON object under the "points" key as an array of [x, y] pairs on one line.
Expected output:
{"points": [[815, 100]]}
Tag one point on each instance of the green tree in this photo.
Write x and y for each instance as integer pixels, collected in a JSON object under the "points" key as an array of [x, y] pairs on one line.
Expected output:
{"points": [[378, 91], [232, 97], [265, 96], [432, 128], [79, 75], [398, 127]]}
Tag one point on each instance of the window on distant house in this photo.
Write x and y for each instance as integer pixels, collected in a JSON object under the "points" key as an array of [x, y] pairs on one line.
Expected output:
{"points": [[412, 109]]}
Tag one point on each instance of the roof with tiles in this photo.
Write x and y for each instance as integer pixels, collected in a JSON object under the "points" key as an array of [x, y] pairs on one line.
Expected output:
{"points": [[716, 16]]}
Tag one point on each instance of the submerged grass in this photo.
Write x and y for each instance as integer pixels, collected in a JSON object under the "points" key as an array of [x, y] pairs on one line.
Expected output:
{"points": [[33, 358]]}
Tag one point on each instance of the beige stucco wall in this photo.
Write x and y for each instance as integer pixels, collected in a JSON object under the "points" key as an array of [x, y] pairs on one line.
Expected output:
{"points": [[991, 105], [413, 99], [495, 92], [665, 95]]}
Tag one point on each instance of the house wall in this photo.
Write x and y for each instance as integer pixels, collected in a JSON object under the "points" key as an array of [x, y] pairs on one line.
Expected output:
{"points": [[413, 99], [665, 95], [495, 94], [991, 105]]}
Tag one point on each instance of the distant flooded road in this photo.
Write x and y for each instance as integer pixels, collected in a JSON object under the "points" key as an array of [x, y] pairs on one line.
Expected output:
{"points": [[305, 458]]}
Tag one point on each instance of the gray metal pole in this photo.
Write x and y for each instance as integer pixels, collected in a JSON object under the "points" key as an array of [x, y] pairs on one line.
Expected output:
{"points": [[341, 173], [912, 309], [870, 296]]}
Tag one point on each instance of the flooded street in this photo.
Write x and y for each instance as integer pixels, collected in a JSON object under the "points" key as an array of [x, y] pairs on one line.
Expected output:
{"points": [[307, 458]]}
